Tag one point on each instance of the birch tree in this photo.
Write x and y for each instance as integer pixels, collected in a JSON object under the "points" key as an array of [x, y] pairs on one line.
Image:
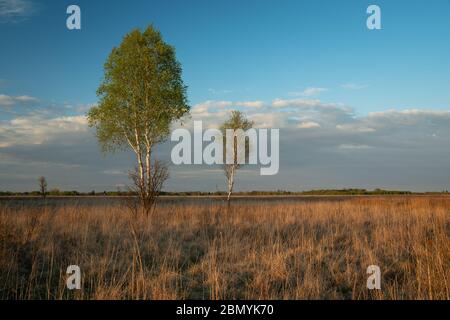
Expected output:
{"points": [[141, 94], [236, 124]]}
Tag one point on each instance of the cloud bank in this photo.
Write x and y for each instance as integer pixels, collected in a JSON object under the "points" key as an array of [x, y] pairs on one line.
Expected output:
{"points": [[323, 145]]}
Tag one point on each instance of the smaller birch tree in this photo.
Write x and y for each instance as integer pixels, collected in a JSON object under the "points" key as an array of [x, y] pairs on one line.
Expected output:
{"points": [[236, 149]]}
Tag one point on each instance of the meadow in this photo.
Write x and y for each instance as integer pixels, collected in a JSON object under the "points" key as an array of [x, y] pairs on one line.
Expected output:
{"points": [[256, 249]]}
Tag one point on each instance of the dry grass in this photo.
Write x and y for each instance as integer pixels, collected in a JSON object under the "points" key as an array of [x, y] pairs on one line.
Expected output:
{"points": [[291, 250]]}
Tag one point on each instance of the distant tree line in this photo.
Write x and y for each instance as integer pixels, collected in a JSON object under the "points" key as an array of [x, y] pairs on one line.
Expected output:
{"points": [[324, 192]]}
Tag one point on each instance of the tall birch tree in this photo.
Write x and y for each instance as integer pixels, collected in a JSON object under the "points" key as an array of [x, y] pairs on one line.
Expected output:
{"points": [[141, 94]]}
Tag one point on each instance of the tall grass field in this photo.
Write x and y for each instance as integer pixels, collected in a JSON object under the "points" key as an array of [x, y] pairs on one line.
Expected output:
{"points": [[251, 250]]}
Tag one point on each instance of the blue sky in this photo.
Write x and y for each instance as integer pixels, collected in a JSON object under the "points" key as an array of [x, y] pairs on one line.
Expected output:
{"points": [[255, 49], [234, 51]]}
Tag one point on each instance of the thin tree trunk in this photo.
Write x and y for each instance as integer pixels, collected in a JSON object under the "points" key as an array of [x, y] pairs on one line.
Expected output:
{"points": [[148, 186], [230, 183], [148, 164], [141, 169], [141, 180]]}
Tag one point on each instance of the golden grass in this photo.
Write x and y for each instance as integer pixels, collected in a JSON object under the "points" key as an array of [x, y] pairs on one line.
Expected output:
{"points": [[257, 250]]}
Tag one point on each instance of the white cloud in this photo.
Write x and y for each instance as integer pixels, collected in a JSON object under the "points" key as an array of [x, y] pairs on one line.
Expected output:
{"points": [[250, 104], [409, 112], [281, 113], [308, 92], [282, 103], [16, 10], [8, 101], [212, 104], [308, 125], [214, 110], [34, 129], [222, 104], [355, 127], [334, 119], [26, 99], [268, 120]]}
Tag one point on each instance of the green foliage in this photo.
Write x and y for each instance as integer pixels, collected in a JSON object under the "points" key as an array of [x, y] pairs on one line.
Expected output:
{"points": [[236, 121], [141, 94], [236, 150]]}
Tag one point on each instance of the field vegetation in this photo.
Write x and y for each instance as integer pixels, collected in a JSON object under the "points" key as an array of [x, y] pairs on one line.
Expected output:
{"points": [[252, 250]]}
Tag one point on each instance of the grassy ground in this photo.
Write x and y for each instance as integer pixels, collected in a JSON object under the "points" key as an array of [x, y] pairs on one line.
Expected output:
{"points": [[273, 250]]}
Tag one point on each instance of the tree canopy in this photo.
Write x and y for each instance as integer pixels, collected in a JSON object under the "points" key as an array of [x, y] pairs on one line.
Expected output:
{"points": [[141, 94]]}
